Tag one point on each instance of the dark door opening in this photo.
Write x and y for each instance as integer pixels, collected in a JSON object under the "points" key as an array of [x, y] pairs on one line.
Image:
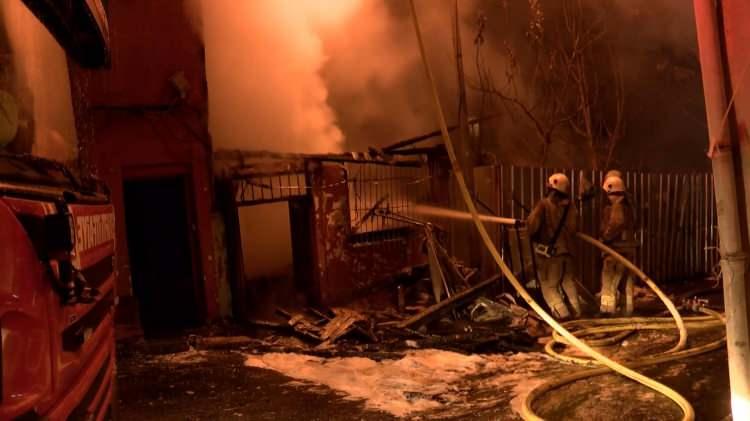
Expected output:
{"points": [[300, 219], [160, 250]]}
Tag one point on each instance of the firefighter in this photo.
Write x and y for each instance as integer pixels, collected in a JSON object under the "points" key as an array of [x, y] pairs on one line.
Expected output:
{"points": [[552, 225], [617, 231]]}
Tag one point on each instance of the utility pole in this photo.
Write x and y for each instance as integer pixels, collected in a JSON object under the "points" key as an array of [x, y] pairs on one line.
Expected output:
{"points": [[469, 147], [726, 105], [468, 152]]}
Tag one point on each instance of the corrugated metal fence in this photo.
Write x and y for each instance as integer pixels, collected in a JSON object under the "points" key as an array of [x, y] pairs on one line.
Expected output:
{"points": [[676, 213], [676, 216]]}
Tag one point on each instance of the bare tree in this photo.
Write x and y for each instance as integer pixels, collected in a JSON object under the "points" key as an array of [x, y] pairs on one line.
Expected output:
{"points": [[572, 90]]}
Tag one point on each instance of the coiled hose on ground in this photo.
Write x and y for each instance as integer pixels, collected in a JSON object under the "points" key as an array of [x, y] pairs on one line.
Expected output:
{"points": [[622, 327], [687, 409], [618, 325]]}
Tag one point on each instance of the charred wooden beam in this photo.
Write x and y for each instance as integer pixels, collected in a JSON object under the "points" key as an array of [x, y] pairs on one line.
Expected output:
{"points": [[367, 333], [222, 342], [416, 139], [462, 298]]}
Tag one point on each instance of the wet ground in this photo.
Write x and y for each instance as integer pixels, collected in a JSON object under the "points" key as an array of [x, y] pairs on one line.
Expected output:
{"points": [[247, 383], [217, 385]]}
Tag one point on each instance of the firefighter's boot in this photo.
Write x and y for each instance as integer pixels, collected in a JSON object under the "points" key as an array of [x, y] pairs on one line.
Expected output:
{"points": [[629, 289]]}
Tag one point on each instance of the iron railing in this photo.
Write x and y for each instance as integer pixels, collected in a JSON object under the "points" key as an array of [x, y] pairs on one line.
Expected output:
{"points": [[379, 190]]}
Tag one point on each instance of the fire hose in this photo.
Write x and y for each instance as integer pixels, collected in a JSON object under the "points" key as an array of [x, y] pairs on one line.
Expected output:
{"points": [[627, 324], [563, 332], [645, 279], [624, 327]]}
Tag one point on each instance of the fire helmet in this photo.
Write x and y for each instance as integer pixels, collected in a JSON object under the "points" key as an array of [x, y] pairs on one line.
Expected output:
{"points": [[613, 184], [613, 173], [560, 183]]}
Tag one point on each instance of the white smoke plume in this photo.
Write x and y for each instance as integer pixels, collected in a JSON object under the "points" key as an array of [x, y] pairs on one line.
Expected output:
{"points": [[263, 63], [375, 72], [265, 89], [318, 76]]}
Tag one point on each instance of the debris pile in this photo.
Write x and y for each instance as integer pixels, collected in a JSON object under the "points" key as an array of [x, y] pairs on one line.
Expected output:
{"points": [[440, 305]]}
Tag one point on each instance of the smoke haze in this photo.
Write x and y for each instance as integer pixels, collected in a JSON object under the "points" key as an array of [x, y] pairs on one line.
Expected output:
{"points": [[312, 76], [321, 76], [263, 62], [316, 76]]}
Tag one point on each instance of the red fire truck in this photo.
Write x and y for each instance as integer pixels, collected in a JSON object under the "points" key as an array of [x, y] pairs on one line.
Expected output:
{"points": [[56, 293]]}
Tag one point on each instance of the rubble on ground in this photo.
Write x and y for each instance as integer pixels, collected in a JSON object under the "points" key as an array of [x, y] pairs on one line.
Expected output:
{"points": [[442, 304]]}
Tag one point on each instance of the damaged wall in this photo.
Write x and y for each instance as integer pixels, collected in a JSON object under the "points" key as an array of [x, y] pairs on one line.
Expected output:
{"points": [[343, 267], [311, 198]]}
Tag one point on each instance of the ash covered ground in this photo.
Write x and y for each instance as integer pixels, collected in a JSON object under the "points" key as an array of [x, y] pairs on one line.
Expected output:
{"points": [[247, 383]]}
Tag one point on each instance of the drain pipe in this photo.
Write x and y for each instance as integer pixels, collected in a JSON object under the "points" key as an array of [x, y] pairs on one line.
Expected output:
{"points": [[730, 197]]}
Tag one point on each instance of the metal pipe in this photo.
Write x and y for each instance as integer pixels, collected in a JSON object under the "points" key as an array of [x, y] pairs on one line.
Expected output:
{"points": [[727, 191], [744, 150]]}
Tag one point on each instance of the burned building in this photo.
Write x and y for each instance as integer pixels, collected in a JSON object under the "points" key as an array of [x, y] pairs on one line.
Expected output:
{"points": [[337, 247], [142, 124]]}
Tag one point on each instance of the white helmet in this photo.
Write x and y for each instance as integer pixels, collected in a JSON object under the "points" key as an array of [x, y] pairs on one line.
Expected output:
{"points": [[613, 184], [560, 183], [613, 173]]}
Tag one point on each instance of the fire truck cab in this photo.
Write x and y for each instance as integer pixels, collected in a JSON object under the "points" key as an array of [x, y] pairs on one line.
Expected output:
{"points": [[57, 280], [57, 293]]}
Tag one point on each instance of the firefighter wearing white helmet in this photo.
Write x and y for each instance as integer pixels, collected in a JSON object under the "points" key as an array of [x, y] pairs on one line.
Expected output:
{"points": [[560, 183], [617, 231], [552, 225], [613, 184]]}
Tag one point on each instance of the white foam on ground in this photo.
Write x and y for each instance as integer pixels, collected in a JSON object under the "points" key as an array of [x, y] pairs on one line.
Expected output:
{"points": [[423, 380]]}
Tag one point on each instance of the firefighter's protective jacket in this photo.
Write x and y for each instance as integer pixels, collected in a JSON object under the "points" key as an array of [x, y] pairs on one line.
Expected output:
{"points": [[544, 220], [618, 225]]}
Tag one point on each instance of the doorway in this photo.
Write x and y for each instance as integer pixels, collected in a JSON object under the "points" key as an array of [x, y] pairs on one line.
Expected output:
{"points": [[161, 248], [276, 255]]}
